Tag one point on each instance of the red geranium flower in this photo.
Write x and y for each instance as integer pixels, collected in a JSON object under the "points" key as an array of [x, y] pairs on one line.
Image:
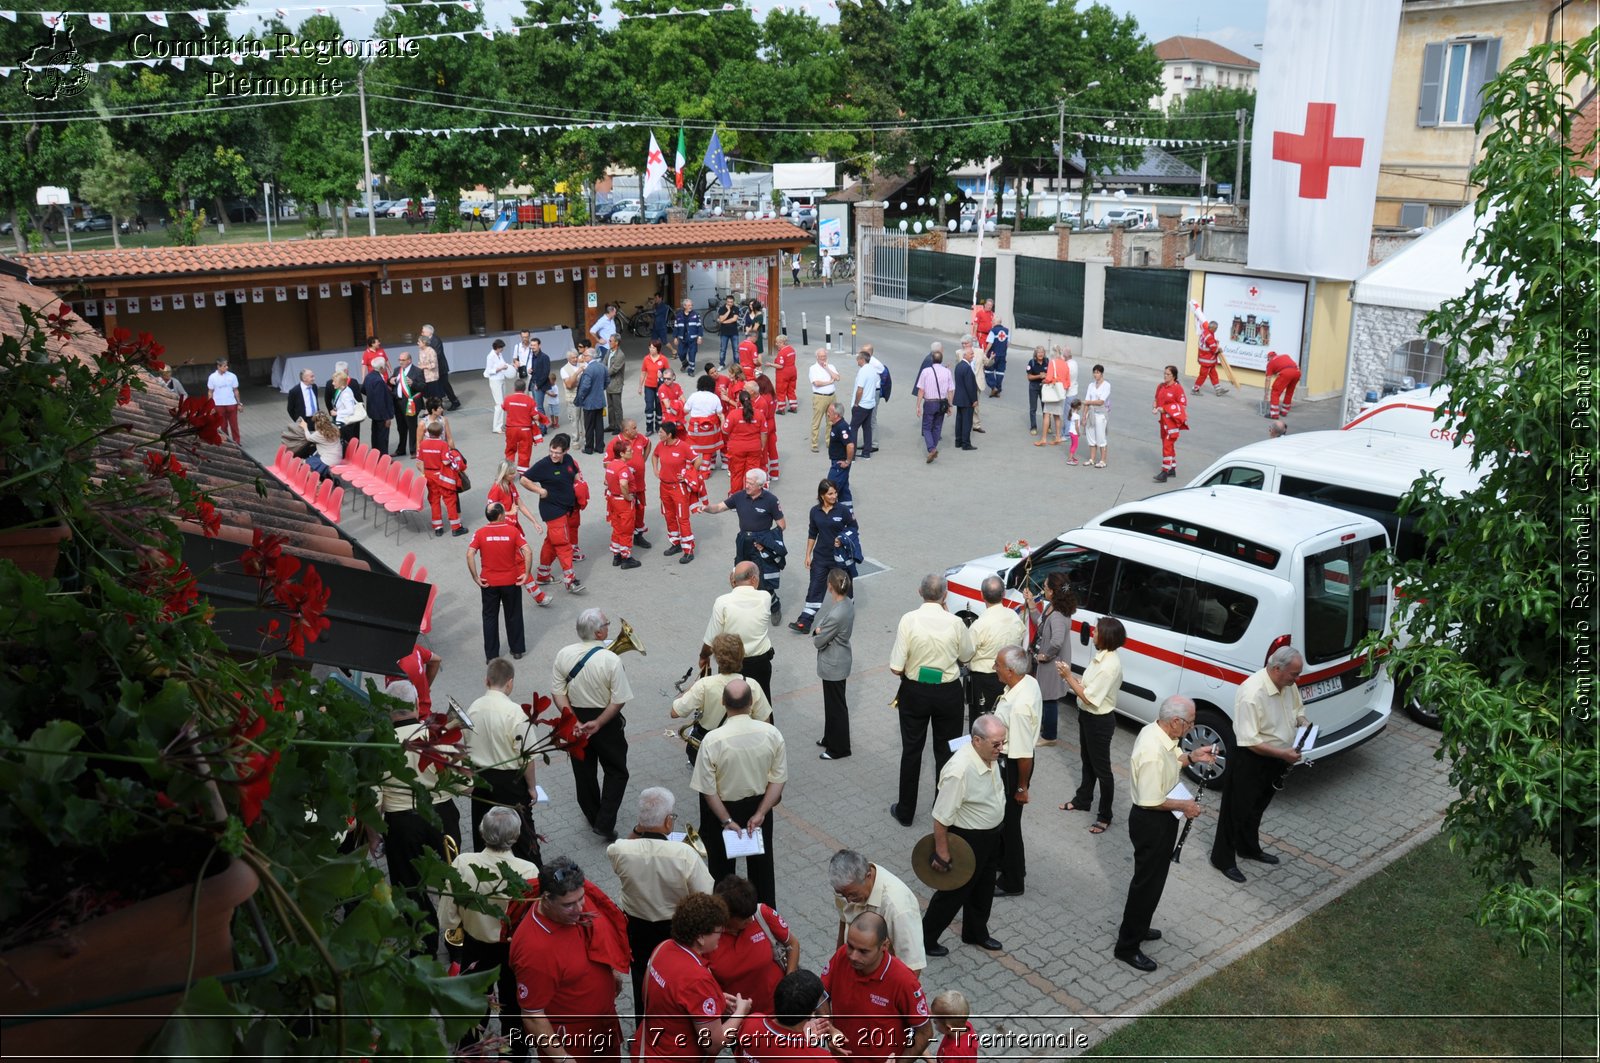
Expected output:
{"points": [[202, 416]]}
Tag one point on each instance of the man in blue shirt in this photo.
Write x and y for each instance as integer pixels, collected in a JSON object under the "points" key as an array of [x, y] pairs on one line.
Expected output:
{"points": [[866, 400], [660, 319], [687, 330], [590, 397]]}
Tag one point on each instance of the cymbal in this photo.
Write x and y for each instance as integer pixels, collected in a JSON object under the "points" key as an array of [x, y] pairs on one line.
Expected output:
{"points": [[962, 863]]}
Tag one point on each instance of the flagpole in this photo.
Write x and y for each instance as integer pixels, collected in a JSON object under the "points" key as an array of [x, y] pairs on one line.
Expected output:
{"points": [[983, 211]]}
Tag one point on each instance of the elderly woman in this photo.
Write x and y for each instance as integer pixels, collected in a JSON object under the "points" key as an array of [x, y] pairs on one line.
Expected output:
{"points": [[831, 638], [702, 702], [428, 362], [1097, 698], [480, 941], [1053, 624], [744, 960], [687, 1016], [324, 434]]}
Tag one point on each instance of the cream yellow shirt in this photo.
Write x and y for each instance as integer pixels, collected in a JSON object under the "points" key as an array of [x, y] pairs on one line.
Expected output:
{"points": [[656, 874], [740, 759], [746, 612], [706, 698], [499, 732], [1154, 766], [602, 681], [482, 872], [1101, 681], [396, 796], [1263, 712], [1021, 709], [930, 637], [971, 793], [992, 632], [893, 900]]}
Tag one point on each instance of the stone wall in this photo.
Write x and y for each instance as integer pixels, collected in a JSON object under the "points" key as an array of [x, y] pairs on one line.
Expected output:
{"points": [[1375, 333]]}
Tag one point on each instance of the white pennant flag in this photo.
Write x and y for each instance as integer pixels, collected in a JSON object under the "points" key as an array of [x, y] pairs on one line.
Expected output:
{"points": [[177, 61], [157, 17], [655, 169], [201, 17], [1321, 104], [100, 21], [9, 16]]}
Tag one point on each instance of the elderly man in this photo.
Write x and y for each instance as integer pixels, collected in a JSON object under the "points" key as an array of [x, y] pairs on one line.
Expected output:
{"points": [[570, 955], [760, 513], [426, 333], [739, 776], [1267, 710], [590, 397], [860, 886], [935, 386], [655, 873], [1021, 708], [875, 1000], [303, 400], [970, 805], [496, 875], [589, 679], [824, 380], [380, 404], [1152, 827], [616, 369], [687, 331], [407, 403], [497, 744], [746, 611], [966, 396], [997, 626], [930, 646]]}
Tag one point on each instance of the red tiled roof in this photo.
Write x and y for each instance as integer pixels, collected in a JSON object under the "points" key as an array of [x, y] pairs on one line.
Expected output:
{"points": [[1200, 50], [1583, 136], [593, 241]]}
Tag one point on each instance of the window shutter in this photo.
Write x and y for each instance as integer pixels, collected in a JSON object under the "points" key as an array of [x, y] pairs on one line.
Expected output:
{"points": [[1432, 74], [1481, 69], [1413, 215]]}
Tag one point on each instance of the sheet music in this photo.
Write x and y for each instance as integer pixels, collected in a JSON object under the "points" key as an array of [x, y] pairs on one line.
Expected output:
{"points": [[539, 796], [677, 836], [737, 844], [1305, 743], [957, 743], [1179, 792]]}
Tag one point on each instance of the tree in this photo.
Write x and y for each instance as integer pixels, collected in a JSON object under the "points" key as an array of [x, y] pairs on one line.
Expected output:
{"points": [[1209, 114], [1502, 619], [115, 182]]}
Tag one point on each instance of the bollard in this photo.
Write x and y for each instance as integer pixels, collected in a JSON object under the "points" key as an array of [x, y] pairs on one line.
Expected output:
{"points": [[827, 332], [804, 341], [783, 321]]}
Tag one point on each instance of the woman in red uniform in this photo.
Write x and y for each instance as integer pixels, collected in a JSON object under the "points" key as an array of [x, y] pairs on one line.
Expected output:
{"points": [[766, 401], [619, 503], [687, 1017], [504, 491], [1172, 416], [747, 441], [669, 398], [785, 365], [673, 458], [744, 960], [703, 413]]}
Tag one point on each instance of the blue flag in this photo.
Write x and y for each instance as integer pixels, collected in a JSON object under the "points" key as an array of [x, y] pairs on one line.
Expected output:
{"points": [[717, 162]]}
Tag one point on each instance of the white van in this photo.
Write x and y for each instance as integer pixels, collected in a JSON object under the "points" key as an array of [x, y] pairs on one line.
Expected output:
{"points": [[1208, 582], [1419, 414]]}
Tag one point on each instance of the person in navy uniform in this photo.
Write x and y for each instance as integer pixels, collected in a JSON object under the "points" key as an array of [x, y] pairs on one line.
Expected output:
{"points": [[999, 342], [759, 513], [966, 398], [841, 454]]}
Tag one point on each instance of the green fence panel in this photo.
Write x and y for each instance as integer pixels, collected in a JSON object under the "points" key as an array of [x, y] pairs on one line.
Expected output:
{"points": [[946, 279], [1148, 302], [1049, 295]]}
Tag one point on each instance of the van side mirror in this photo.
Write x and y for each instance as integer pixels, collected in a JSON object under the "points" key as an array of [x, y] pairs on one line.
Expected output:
{"points": [[1083, 634]]}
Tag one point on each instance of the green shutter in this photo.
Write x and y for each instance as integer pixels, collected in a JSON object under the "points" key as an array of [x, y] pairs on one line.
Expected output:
{"points": [[1432, 75], [944, 279], [1049, 295]]}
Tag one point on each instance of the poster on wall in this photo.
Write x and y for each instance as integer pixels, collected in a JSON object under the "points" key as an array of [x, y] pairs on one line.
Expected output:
{"points": [[833, 228], [1255, 315]]}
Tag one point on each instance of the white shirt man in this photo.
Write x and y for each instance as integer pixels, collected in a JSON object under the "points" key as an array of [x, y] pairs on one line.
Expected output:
{"points": [[824, 380], [604, 327]]}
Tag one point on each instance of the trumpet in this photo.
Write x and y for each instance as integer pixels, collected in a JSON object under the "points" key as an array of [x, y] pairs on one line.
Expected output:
{"points": [[626, 640]]}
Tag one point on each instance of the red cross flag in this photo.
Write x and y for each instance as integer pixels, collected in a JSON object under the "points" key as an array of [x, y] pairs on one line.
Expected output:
{"points": [[1321, 102], [655, 169]]}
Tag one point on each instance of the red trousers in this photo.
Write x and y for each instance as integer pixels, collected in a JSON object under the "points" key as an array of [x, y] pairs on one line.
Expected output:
{"points": [[675, 502], [1283, 385], [1207, 370], [787, 378], [438, 493], [557, 544], [519, 446], [1169, 447], [741, 462], [619, 514]]}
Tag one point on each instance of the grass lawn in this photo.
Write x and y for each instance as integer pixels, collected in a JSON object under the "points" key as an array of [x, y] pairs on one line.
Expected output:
{"points": [[1395, 968]]}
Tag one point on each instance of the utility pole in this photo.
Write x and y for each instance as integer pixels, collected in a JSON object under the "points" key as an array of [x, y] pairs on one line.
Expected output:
{"points": [[1238, 162], [1061, 150], [366, 150]]}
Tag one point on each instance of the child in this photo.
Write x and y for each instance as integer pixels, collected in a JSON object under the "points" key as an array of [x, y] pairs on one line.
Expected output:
{"points": [[958, 1043], [435, 414], [1074, 426]]}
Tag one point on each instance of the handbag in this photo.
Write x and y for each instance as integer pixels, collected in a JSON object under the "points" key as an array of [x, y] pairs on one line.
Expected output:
{"points": [[944, 402], [356, 415], [1052, 392], [780, 949]]}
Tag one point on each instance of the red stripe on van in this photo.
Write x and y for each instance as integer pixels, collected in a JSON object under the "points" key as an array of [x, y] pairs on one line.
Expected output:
{"points": [[1402, 406]]}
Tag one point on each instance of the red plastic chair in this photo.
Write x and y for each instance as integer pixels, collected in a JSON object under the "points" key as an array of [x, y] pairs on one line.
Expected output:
{"points": [[421, 574], [399, 486], [427, 613], [353, 453], [324, 491], [410, 502], [330, 503], [407, 563], [280, 464], [382, 480], [360, 475]]}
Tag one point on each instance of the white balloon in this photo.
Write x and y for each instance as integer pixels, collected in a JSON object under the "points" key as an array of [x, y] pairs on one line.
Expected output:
{"points": [[903, 225], [717, 212], [921, 201], [917, 227], [952, 225], [947, 197], [902, 204], [749, 215]]}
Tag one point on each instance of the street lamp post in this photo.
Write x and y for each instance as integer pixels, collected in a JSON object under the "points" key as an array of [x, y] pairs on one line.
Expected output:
{"points": [[366, 151], [266, 201]]}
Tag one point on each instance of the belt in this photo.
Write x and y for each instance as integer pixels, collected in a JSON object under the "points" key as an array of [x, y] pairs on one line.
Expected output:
{"points": [[816, 391]]}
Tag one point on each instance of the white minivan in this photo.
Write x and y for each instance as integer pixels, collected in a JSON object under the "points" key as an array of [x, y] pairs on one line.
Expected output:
{"points": [[1209, 582]]}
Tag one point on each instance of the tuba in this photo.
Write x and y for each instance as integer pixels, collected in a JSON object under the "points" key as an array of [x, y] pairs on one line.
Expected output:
{"points": [[626, 641], [691, 838], [457, 715]]}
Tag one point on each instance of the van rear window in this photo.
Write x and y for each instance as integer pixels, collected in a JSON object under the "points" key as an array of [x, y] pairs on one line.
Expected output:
{"points": [[1385, 509], [1207, 539], [1339, 610]]}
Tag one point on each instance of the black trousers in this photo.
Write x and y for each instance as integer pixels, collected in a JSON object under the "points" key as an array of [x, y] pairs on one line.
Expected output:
{"points": [[380, 435], [594, 431], [444, 379], [924, 706], [1094, 749], [835, 718], [759, 668], [407, 836], [406, 428], [508, 787], [614, 411], [1154, 833], [478, 956], [1246, 793], [1013, 860], [973, 900], [986, 689], [643, 937], [861, 428], [494, 599], [760, 870], [608, 749], [964, 426]]}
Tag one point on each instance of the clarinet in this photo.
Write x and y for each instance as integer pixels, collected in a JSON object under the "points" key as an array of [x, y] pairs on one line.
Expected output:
{"points": [[1299, 747], [1207, 773]]}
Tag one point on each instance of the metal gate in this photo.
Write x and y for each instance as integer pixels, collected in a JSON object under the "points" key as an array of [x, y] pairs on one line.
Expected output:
{"points": [[881, 278]]}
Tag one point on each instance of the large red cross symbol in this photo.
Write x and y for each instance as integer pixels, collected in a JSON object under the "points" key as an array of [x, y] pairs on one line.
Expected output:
{"points": [[1317, 150], [655, 157]]}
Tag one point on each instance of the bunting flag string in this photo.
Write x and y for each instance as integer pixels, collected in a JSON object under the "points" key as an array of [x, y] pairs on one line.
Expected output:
{"points": [[1156, 142]]}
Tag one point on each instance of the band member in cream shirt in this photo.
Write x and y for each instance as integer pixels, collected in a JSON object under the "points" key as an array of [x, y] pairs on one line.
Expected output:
{"points": [[1097, 699], [971, 805], [1021, 709], [930, 646], [998, 625], [746, 611], [740, 776], [1267, 711], [590, 679], [702, 702], [497, 743]]}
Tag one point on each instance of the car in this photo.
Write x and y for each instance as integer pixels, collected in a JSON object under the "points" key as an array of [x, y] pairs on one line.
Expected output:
{"points": [[380, 209], [93, 223], [476, 209], [656, 213], [805, 217], [1126, 218], [627, 212]]}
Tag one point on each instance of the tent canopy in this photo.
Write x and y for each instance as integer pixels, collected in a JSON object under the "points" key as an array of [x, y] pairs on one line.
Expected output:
{"points": [[1423, 276]]}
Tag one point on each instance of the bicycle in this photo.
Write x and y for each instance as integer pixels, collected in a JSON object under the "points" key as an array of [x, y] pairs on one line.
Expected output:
{"points": [[850, 300], [641, 322], [844, 268]]}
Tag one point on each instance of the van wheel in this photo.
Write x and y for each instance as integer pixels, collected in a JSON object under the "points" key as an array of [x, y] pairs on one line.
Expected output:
{"points": [[1211, 727], [1426, 715]]}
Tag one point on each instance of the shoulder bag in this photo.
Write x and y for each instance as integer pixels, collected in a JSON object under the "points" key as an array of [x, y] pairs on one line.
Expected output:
{"points": [[780, 950]]}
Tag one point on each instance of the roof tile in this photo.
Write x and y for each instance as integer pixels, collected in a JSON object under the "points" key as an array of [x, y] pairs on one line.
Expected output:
{"points": [[1200, 50]]}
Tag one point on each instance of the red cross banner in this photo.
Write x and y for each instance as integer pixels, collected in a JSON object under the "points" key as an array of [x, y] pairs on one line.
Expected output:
{"points": [[1321, 102], [655, 169]]}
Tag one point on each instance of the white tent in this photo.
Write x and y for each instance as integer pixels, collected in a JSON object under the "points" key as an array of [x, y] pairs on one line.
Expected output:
{"points": [[1424, 275]]}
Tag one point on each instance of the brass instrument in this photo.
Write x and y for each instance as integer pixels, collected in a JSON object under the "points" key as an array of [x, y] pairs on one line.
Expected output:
{"points": [[625, 641], [456, 714], [686, 732], [691, 838], [457, 935]]}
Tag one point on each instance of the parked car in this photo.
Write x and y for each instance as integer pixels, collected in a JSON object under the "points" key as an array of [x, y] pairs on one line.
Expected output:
{"points": [[805, 217], [1126, 218], [627, 212], [476, 209], [93, 223], [380, 209], [656, 213]]}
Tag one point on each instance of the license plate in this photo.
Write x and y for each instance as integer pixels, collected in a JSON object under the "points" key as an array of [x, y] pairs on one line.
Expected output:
{"points": [[1321, 689]]}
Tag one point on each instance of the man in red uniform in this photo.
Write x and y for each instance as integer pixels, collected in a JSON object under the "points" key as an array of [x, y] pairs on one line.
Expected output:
{"points": [[566, 956], [787, 375], [672, 461], [1172, 417], [983, 323], [792, 1031], [639, 461], [1210, 351], [619, 503], [522, 418], [443, 486], [506, 564], [876, 1000], [749, 360], [1283, 373]]}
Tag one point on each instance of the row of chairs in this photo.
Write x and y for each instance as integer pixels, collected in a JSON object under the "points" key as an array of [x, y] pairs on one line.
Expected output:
{"points": [[409, 569], [382, 481], [325, 496]]}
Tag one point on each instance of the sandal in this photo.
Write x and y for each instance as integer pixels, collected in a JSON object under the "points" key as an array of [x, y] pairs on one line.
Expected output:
{"points": [[1039, 443], [1070, 807], [1055, 442], [1100, 826], [1099, 464]]}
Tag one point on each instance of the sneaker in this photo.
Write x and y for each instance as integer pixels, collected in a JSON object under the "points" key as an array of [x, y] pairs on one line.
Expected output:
{"points": [[629, 562], [688, 556], [579, 555], [1195, 390], [1220, 389], [574, 586], [540, 598], [673, 549], [438, 533], [1072, 461], [458, 531], [545, 579]]}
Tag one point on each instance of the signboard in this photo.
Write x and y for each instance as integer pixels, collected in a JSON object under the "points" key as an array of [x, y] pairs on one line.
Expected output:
{"points": [[51, 196], [804, 176], [833, 228], [1255, 315]]}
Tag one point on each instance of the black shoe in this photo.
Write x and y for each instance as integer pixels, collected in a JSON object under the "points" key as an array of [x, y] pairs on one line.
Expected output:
{"points": [[1264, 858], [894, 810], [458, 532], [438, 533], [1232, 873], [608, 835], [822, 743], [516, 656], [1001, 891], [616, 560], [825, 755], [936, 950], [802, 626], [630, 562], [1137, 960], [456, 407], [688, 556], [992, 944], [673, 549], [1162, 477], [1151, 935], [640, 541]]}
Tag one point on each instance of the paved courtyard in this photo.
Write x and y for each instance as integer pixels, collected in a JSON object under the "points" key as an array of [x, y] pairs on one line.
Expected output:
{"points": [[1333, 824]]}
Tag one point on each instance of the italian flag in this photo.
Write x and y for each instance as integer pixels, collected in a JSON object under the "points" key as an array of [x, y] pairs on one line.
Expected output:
{"points": [[678, 163]]}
